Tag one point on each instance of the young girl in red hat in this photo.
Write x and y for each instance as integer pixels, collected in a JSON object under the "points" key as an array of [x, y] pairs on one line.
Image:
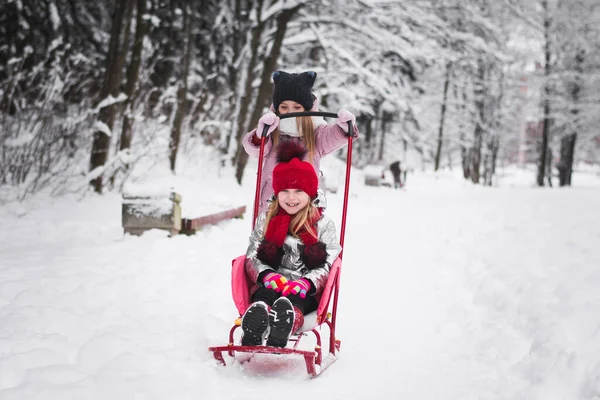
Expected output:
{"points": [[293, 93], [291, 250]]}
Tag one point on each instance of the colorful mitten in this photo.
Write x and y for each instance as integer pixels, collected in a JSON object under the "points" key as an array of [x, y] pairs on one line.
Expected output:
{"points": [[300, 287], [343, 117], [275, 281]]}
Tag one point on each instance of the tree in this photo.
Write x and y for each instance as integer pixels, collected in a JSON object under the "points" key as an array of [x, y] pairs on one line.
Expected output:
{"points": [[438, 152], [133, 71], [544, 149], [567, 31], [437, 79], [282, 18], [575, 33], [182, 89], [108, 95]]}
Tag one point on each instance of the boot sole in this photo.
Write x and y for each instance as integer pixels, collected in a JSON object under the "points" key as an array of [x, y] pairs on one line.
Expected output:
{"points": [[281, 321], [254, 325]]}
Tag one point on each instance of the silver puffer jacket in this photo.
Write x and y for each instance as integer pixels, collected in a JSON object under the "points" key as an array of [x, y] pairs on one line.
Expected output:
{"points": [[292, 266]]}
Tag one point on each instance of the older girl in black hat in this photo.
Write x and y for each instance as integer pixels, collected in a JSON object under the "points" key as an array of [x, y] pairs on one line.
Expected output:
{"points": [[293, 93]]}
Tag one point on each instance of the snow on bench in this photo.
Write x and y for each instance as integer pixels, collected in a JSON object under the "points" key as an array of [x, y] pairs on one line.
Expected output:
{"points": [[140, 212], [145, 210]]}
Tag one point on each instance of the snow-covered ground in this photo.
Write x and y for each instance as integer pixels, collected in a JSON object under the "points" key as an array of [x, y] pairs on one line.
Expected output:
{"points": [[449, 291]]}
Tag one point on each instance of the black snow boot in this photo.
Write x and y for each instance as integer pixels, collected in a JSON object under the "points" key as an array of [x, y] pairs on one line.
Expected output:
{"points": [[281, 321], [255, 323]]}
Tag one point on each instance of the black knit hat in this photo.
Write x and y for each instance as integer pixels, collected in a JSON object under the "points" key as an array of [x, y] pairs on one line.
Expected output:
{"points": [[295, 87]]}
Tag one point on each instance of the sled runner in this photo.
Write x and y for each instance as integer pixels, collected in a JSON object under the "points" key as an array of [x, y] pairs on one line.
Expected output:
{"points": [[313, 322]]}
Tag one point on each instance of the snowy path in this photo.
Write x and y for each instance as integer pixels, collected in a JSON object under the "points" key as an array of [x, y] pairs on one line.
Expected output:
{"points": [[480, 305], [448, 291]]}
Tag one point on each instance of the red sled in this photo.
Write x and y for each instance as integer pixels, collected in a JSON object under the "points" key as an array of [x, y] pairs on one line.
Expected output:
{"points": [[315, 361]]}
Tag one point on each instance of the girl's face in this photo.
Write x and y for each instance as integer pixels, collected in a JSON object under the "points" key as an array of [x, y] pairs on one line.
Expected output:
{"points": [[293, 200], [289, 106]]}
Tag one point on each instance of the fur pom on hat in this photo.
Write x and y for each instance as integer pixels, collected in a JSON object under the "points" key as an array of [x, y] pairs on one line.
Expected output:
{"points": [[290, 149], [293, 173], [295, 87]]}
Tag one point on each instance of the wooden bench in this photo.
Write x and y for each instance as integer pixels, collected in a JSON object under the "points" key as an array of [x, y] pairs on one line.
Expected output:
{"points": [[144, 212], [140, 213], [191, 225]]}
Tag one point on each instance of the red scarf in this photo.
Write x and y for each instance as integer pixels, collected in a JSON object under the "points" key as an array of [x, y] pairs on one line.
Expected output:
{"points": [[270, 251], [279, 227]]}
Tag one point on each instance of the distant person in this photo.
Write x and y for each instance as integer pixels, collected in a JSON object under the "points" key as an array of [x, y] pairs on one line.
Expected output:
{"points": [[397, 174]]}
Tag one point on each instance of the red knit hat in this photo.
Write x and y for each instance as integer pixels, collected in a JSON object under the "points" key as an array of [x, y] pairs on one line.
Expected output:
{"points": [[293, 173]]}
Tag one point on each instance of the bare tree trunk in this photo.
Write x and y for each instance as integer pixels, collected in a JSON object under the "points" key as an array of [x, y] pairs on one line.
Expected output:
{"points": [[265, 88], [124, 48], [386, 117], [438, 153], [368, 127], [106, 117], [242, 17], [565, 167], [133, 72], [493, 139], [241, 157], [181, 90], [567, 143], [370, 132], [466, 162], [490, 160], [549, 167], [13, 49], [542, 162], [475, 153], [464, 152], [365, 123]]}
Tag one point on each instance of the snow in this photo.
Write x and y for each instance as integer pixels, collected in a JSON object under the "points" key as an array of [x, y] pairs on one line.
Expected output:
{"points": [[102, 127], [54, 17], [21, 140], [448, 290], [110, 100], [195, 183]]}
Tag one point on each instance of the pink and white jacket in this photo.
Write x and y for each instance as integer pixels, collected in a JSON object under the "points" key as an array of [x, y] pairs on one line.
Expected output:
{"points": [[328, 138]]}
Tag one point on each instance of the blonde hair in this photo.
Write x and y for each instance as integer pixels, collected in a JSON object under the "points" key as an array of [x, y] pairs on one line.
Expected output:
{"points": [[301, 220], [306, 129]]}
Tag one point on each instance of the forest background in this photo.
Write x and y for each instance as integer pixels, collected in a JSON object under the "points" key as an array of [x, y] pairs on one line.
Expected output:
{"points": [[92, 89]]}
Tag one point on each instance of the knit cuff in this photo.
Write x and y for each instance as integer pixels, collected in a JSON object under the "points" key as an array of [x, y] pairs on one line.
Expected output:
{"points": [[255, 139], [261, 276], [313, 288]]}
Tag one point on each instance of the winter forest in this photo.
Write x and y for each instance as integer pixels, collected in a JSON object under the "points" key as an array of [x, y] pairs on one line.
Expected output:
{"points": [[89, 89], [475, 278]]}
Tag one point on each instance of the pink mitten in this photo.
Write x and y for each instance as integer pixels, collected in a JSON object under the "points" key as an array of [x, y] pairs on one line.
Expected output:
{"points": [[300, 287], [275, 281], [343, 117], [268, 119]]}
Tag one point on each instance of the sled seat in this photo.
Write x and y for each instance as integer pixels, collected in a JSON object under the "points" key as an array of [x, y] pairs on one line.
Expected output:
{"points": [[315, 362], [241, 287]]}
